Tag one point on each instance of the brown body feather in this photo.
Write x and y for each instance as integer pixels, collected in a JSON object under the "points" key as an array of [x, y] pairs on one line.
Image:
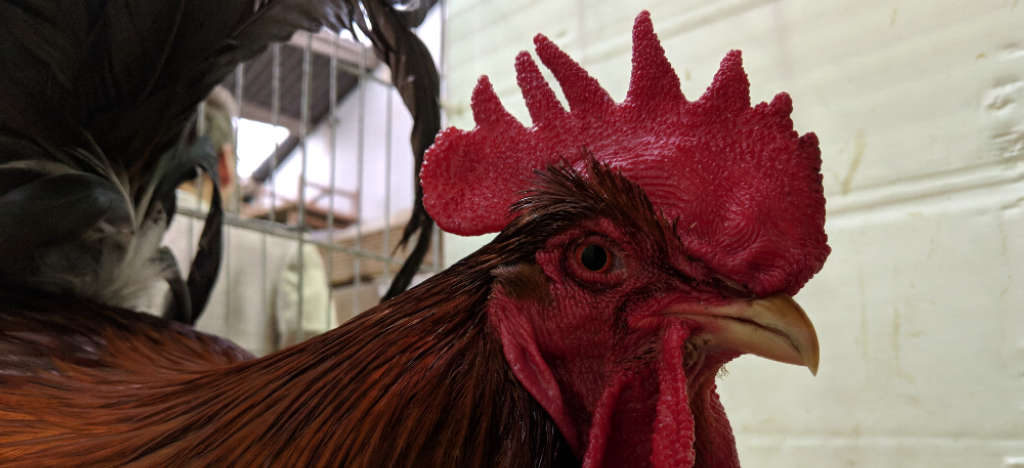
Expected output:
{"points": [[417, 381], [395, 387]]}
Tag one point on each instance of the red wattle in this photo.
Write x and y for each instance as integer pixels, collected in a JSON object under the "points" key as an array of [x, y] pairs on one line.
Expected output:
{"points": [[601, 424], [672, 435]]}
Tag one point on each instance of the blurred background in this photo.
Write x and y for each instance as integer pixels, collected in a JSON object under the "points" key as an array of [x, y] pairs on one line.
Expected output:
{"points": [[919, 106], [317, 176]]}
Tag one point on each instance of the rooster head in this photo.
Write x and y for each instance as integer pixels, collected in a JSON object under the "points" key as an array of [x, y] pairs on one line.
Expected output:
{"points": [[655, 239]]}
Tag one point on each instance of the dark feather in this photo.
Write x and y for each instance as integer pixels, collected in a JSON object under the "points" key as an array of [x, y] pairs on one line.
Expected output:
{"points": [[180, 307], [415, 77], [104, 92], [179, 165], [26, 212]]}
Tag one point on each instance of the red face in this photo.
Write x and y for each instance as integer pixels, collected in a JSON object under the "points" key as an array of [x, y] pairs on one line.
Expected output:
{"points": [[622, 346]]}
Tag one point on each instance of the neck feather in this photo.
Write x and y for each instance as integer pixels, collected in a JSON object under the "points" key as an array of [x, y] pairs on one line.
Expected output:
{"points": [[418, 381]]}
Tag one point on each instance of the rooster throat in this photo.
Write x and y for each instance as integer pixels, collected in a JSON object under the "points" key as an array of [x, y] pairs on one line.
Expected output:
{"points": [[694, 354], [675, 372]]}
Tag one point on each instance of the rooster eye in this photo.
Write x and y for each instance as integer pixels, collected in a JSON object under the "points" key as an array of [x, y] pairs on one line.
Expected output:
{"points": [[594, 257]]}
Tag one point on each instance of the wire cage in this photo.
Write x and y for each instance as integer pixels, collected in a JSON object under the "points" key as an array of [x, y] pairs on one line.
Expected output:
{"points": [[323, 173]]}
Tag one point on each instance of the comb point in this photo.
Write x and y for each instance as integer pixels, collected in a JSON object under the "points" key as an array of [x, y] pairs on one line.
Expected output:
{"points": [[653, 82], [729, 92], [585, 95], [540, 98], [487, 108]]}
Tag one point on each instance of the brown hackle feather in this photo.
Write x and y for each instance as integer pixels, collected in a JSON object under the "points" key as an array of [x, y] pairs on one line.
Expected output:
{"points": [[417, 381]]}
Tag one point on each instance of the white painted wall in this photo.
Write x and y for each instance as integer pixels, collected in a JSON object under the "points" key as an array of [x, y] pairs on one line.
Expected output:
{"points": [[919, 106]]}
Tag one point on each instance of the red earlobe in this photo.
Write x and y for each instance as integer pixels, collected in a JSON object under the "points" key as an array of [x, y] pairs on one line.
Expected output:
{"points": [[524, 358]]}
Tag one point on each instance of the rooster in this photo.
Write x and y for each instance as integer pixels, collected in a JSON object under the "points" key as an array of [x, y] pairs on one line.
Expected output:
{"points": [[642, 245]]}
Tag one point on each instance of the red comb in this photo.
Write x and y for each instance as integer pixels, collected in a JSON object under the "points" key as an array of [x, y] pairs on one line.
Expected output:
{"points": [[743, 185]]}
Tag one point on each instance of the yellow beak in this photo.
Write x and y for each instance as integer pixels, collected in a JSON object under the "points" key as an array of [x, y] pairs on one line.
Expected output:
{"points": [[774, 327]]}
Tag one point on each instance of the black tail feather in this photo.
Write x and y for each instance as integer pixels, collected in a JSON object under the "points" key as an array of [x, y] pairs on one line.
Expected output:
{"points": [[415, 77]]}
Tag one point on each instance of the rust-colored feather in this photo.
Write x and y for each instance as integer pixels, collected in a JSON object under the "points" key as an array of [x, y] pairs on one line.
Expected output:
{"points": [[417, 381]]}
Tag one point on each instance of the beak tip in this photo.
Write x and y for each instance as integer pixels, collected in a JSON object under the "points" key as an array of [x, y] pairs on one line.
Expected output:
{"points": [[811, 361]]}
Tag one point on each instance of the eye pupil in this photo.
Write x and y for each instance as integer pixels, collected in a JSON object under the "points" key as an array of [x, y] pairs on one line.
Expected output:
{"points": [[594, 257]]}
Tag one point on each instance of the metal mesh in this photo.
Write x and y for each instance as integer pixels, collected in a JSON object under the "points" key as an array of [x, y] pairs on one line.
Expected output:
{"points": [[351, 212]]}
